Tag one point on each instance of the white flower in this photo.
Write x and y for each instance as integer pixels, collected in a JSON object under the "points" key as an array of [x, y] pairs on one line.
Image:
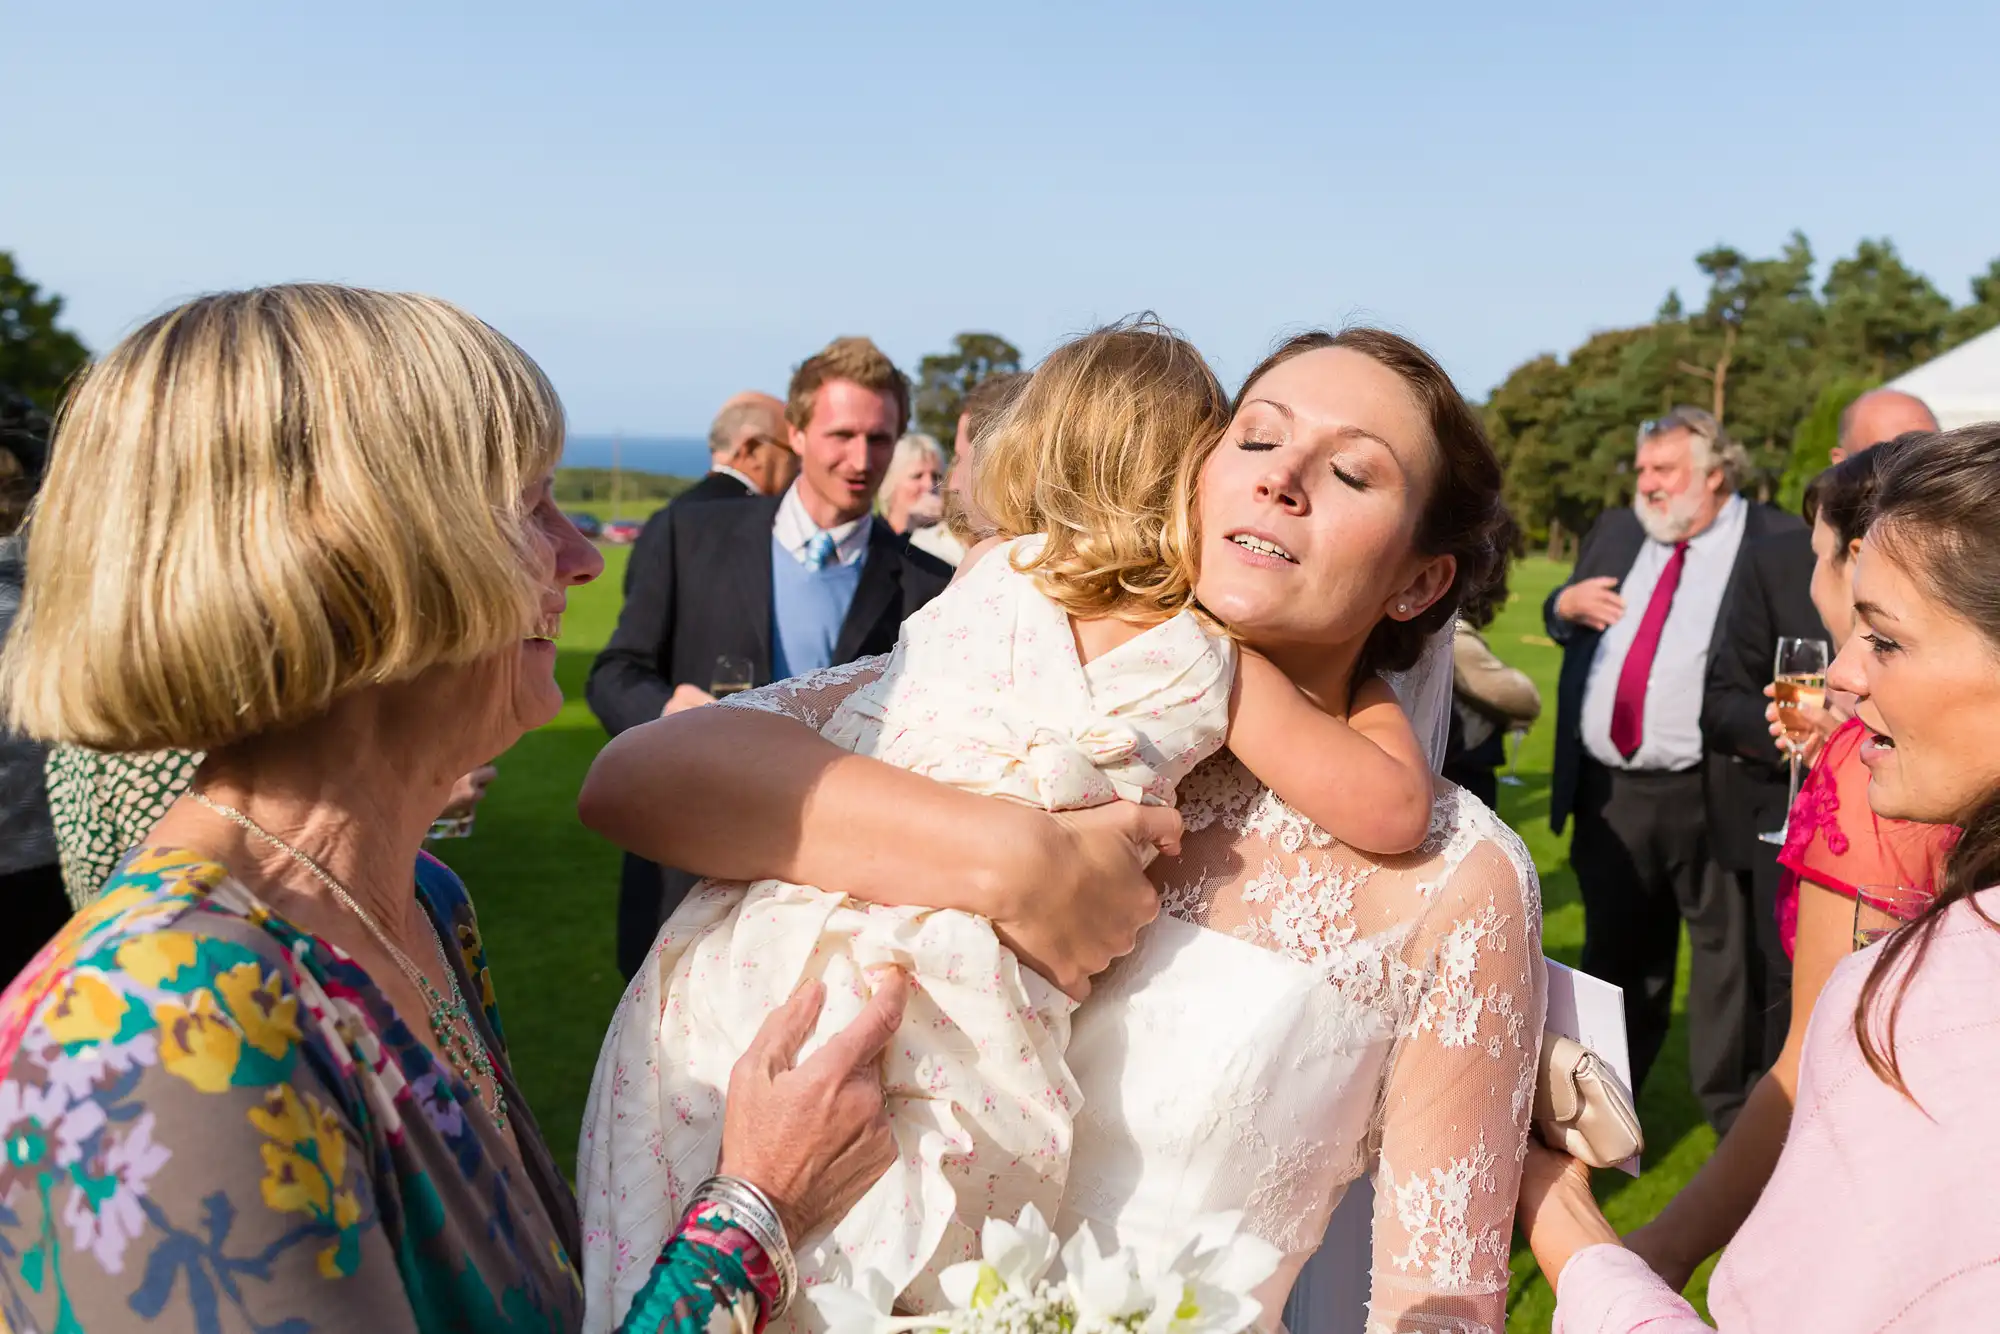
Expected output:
{"points": [[1103, 1287], [1201, 1284], [859, 1309], [1205, 1286], [1013, 1258]]}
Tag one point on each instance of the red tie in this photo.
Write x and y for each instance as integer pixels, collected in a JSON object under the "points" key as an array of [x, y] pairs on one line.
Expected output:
{"points": [[1628, 706]]}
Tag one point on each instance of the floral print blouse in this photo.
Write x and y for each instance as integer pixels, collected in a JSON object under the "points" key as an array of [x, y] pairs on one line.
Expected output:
{"points": [[210, 1120]]}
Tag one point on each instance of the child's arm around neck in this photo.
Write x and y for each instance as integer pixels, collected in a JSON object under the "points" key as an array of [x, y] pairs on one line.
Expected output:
{"points": [[1363, 779]]}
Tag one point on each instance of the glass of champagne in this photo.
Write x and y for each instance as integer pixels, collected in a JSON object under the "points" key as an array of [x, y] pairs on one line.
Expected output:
{"points": [[451, 826], [1515, 736], [1798, 677], [731, 676], [1880, 909]]}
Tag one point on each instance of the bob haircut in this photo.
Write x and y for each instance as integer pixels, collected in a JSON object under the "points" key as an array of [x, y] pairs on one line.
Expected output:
{"points": [[263, 500]]}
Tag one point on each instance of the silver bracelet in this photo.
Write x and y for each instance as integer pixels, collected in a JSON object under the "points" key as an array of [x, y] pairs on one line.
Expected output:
{"points": [[753, 1211]]}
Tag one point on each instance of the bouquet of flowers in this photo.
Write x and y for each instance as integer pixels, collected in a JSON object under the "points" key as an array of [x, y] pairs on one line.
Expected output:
{"points": [[1200, 1285]]}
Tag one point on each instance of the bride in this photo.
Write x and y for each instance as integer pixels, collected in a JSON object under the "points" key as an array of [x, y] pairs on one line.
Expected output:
{"points": [[1302, 1015]]}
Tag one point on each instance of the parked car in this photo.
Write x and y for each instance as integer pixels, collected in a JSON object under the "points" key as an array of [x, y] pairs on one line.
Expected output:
{"points": [[587, 524], [622, 531]]}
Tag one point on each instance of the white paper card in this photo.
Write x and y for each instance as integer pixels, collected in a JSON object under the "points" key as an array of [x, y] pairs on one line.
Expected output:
{"points": [[1590, 1010]]}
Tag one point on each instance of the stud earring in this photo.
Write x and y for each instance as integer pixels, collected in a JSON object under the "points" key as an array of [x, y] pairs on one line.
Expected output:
{"points": [[1402, 609]]}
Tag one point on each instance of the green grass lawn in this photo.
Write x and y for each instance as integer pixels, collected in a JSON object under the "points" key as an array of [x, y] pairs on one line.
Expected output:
{"points": [[547, 891]]}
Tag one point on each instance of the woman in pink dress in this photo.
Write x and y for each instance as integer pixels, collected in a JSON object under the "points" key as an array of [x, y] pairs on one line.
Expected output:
{"points": [[1835, 843], [1879, 1210]]}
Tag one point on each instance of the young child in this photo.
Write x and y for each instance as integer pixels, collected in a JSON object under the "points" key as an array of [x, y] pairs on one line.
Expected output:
{"points": [[1067, 666]]}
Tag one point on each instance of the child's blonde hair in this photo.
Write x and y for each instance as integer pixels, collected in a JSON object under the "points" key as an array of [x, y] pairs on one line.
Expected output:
{"points": [[1101, 452]]}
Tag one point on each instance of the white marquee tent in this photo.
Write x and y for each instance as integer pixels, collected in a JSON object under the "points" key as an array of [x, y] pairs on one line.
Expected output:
{"points": [[1963, 385]]}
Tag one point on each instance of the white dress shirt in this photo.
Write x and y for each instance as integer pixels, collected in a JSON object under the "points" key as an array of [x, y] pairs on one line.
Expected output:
{"points": [[794, 530], [1671, 739]]}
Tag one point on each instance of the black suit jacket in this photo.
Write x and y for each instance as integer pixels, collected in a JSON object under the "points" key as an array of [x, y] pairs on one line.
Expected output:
{"points": [[1609, 548], [699, 587], [716, 486], [1770, 596]]}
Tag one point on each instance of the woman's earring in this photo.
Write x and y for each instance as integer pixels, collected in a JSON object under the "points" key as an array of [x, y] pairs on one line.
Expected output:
{"points": [[1402, 609]]}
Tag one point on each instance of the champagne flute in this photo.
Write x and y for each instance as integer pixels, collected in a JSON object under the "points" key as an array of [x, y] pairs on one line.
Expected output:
{"points": [[1881, 909], [1515, 736], [731, 676], [1798, 677]]}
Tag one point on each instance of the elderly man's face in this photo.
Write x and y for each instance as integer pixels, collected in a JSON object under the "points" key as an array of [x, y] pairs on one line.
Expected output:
{"points": [[764, 453], [1674, 502]]}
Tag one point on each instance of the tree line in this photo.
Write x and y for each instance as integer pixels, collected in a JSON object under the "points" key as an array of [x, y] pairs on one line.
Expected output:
{"points": [[1772, 350]]}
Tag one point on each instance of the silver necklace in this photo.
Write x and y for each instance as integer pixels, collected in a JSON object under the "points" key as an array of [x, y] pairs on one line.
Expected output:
{"points": [[450, 1018]]}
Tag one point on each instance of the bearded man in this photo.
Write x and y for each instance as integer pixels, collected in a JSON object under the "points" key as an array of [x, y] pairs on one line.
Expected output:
{"points": [[1638, 622]]}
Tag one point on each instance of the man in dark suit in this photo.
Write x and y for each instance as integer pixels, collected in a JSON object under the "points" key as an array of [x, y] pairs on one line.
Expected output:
{"points": [[1639, 622], [749, 451], [1771, 596], [788, 585]]}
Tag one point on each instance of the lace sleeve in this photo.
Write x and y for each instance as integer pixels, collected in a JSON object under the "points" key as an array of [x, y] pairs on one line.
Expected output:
{"points": [[1454, 1121], [811, 699]]}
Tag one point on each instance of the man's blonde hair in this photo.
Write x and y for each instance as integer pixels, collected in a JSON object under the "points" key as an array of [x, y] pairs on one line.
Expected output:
{"points": [[856, 359], [1102, 451], [263, 500]]}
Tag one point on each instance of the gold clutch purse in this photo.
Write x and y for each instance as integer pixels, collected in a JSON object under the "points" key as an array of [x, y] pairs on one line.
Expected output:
{"points": [[1582, 1107]]}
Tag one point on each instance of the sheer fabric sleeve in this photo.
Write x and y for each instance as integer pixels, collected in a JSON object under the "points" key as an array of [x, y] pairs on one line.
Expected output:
{"points": [[1454, 1121], [812, 699]]}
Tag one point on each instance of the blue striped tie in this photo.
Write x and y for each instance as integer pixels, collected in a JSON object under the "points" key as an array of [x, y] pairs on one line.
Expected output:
{"points": [[819, 551]]}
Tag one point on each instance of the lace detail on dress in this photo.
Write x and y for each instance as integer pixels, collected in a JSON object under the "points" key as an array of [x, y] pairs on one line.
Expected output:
{"points": [[1430, 972], [812, 699], [1433, 1208], [1815, 813]]}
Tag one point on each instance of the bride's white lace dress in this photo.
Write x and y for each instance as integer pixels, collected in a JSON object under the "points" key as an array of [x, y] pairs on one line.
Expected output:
{"points": [[1302, 1015]]}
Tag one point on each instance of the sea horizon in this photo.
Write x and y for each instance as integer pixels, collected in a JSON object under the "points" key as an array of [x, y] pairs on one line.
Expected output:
{"points": [[669, 455]]}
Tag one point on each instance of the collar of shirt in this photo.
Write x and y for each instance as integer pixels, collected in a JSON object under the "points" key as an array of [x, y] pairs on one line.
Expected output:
{"points": [[728, 471], [1725, 531], [794, 528]]}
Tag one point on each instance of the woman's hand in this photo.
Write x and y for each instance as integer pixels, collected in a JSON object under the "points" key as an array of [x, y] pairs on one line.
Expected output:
{"points": [[1823, 721], [1557, 1213], [1080, 896], [813, 1136], [468, 792]]}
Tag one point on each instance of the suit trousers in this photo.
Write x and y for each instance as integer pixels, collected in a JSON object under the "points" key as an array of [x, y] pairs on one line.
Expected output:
{"points": [[1774, 990], [1642, 863]]}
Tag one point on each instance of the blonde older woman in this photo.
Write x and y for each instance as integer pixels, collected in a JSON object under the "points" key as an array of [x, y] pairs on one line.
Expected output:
{"points": [[908, 499], [308, 531]]}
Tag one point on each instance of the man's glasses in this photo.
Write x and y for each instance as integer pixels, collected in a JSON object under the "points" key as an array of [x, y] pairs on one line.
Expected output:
{"points": [[1701, 425]]}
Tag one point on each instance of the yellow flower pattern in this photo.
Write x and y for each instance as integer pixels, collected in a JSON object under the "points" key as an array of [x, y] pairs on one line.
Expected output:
{"points": [[193, 1089], [198, 1043], [268, 1018], [305, 1166], [84, 1009], [155, 959]]}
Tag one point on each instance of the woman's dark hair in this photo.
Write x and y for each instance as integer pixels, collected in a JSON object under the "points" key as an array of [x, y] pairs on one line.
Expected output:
{"points": [[1933, 514], [24, 456], [1463, 517], [1844, 495]]}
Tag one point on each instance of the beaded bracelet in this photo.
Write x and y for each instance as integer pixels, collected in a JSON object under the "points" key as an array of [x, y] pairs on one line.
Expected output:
{"points": [[753, 1211]]}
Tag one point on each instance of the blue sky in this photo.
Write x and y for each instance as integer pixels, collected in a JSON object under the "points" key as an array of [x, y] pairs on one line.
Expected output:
{"points": [[666, 203]]}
